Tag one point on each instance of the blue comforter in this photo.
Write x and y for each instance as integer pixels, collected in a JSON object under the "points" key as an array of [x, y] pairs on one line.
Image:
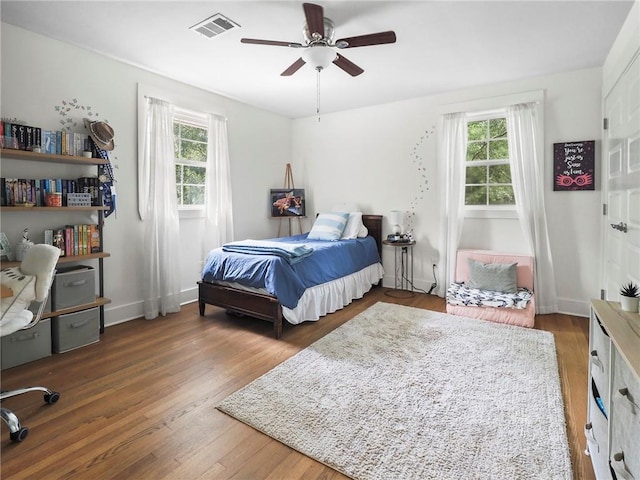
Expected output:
{"points": [[286, 281]]}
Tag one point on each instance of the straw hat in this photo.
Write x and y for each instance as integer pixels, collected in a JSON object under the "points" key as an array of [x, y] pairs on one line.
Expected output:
{"points": [[101, 133]]}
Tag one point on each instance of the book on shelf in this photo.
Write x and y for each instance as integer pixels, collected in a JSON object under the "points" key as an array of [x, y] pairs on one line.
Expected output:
{"points": [[94, 239], [19, 136], [81, 239], [20, 191], [74, 240]]}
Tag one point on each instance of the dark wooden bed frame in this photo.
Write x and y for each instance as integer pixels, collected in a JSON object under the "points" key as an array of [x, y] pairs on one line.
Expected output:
{"points": [[264, 306]]}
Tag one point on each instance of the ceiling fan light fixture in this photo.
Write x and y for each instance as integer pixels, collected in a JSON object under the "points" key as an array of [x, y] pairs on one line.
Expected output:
{"points": [[319, 57], [329, 31]]}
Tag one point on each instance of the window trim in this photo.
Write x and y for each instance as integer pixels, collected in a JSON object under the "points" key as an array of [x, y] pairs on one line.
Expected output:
{"points": [[184, 115], [489, 211]]}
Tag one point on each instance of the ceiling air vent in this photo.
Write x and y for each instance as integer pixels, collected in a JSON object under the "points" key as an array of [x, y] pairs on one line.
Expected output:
{"points": [[214, 26]]}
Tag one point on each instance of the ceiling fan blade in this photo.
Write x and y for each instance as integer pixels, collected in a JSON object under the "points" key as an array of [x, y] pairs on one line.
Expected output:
{"points": [[365, 40], [348, 66], [295, 66], [275, 43], [315, 19]]}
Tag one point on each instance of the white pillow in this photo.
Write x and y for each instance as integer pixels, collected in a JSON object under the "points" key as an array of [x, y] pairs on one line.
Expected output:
{"points": [[354, 226], [328, 226], [364, 231]]}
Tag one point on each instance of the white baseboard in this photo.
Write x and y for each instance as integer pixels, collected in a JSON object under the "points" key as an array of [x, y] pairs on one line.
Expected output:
{"points": [[132, 311], [579, 308]]}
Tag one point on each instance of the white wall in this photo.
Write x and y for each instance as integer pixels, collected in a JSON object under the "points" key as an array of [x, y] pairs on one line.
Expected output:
{"points": [[377, 156], [623, 50], [39, 73], [383, 158]]}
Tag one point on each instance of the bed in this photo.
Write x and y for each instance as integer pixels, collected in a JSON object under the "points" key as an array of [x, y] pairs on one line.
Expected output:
{"points": [[221, 287]]}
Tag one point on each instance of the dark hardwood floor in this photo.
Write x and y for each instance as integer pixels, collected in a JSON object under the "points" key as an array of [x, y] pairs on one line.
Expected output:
{"points": [[140, 404]]}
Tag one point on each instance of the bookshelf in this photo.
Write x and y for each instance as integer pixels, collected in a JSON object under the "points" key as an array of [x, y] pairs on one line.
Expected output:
{"points": [[23, 155], [612, 430], [50, 158]]}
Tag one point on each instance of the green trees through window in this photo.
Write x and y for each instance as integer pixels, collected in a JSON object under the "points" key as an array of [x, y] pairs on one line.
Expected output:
{"points": [[190, 143], [488, 174]]}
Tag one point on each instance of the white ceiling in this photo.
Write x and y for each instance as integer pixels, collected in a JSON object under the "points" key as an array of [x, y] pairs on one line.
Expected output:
{"points": [[441, 46]]}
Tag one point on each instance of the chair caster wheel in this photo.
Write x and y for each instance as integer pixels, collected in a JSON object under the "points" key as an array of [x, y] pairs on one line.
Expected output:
{"points": [[51, 398], [20, 435]]}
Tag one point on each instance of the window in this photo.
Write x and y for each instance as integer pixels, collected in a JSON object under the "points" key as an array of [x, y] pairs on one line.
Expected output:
{"points": [[487, 172], [191, 143]]}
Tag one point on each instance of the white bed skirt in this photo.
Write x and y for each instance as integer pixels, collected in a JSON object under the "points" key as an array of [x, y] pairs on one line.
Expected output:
{"points": [[331, 296], [326, 298]]}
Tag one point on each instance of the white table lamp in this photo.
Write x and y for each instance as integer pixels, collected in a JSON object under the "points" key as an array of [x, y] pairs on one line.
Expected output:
{"points": [[395, 217]]}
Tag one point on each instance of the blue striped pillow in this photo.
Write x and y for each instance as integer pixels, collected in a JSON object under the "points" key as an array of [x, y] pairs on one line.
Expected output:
{"points": [[329, 226]]}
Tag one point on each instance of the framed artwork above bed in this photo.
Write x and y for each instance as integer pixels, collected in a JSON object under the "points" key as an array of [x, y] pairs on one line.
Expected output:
{"points": [[287, 202]]}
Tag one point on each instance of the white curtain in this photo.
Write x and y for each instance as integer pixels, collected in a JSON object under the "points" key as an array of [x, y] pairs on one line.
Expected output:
{"points": [[528, 186], [218, 206], [161, 279], [453, 143]]}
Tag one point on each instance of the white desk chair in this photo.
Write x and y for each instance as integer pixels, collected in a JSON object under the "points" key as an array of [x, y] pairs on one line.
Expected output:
{"points": [[29, 282]]}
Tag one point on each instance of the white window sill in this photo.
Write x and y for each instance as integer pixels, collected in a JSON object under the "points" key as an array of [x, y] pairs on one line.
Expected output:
{"points": [[494, 212], [197, 212]]}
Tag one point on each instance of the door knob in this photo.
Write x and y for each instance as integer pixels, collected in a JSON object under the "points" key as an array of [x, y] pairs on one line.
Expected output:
{"points": [[620, 226]]}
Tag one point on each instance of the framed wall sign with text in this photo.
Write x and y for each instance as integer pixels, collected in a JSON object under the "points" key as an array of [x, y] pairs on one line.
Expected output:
{"points": [[574, 166]]}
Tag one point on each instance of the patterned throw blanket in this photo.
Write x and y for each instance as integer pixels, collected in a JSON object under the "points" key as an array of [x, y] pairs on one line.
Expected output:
{"points": [[460, 294], [292, 253]]}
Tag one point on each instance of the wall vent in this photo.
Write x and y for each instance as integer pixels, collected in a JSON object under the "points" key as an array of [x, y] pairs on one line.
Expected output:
{"points": [[214, 26]]}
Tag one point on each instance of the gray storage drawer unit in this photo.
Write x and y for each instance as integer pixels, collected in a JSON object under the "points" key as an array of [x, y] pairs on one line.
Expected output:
{"points": [[73, 286], [27, 345], [74, 330]]}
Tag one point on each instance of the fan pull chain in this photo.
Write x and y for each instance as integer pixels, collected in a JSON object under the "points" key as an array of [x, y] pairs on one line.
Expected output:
{"points": [[318, 93]]}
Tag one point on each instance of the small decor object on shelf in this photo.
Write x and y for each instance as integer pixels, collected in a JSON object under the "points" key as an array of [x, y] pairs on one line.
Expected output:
{"points": [[58, 241], [25, 244], [6, 252], [630, 297], [53, 199]]}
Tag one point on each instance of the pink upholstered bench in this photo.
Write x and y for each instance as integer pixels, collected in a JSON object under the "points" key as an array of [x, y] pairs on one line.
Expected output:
{"points": [[523, 317]]}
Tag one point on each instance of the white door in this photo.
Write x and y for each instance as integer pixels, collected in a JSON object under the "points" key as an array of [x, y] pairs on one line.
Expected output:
{"points": [[621, 185]]}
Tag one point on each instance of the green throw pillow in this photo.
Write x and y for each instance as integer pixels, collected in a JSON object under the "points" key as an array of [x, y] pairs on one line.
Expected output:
{"points": [[499, 277]]}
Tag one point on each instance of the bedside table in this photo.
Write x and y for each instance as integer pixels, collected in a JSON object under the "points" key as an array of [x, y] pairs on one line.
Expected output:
{"points": [[403, 268]]}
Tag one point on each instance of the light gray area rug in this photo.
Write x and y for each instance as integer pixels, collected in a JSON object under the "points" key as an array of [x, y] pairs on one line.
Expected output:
{"points": [[405, 393]]}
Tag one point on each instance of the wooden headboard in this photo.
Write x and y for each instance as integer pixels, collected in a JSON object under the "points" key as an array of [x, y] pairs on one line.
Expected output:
{"points": [[374, 225]]}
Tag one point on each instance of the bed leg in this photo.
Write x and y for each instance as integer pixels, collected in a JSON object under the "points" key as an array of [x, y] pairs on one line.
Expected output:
{"points": [[277, 322], [277, 328], [201, 307]]}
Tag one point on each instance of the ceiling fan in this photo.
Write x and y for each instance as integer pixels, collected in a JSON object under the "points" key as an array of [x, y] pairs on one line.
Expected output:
{"points": [[319, 45]]}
